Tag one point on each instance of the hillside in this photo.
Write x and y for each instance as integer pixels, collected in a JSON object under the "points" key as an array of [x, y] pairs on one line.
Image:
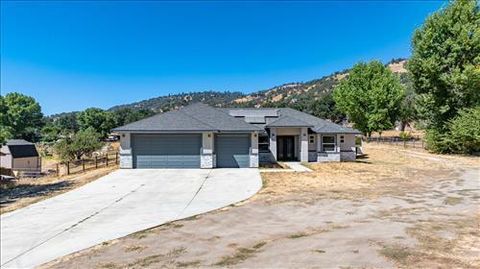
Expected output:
{"points": [[296, 94]]}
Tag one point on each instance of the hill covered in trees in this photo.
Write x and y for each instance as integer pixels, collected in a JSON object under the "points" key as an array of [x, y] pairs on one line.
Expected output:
{"points": [[312, 96]]}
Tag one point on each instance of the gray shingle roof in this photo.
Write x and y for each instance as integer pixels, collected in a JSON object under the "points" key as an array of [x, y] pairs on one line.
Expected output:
{"points": [[319, 125], [286, 121], [193, 118]]}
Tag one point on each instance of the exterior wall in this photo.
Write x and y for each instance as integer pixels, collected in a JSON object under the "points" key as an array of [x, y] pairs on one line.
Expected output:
{"points": [[273, 143], [254, 157], [347, 148], [206, 156], [349, 142], [304, 144], [288, 131], [5, 160], [331, 156], [28, 163]]}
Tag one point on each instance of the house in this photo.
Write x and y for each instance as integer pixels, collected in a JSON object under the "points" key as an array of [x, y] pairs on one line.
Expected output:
{"points": [[20, 156], [200, 136]]}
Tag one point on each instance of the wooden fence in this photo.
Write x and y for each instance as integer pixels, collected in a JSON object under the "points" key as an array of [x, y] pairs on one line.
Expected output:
{"points": [[414, 142], [83, 165]]}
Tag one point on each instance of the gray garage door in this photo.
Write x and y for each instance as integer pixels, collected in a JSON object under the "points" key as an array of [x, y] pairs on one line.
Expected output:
{"points": [[166, 151], [232, 150]]}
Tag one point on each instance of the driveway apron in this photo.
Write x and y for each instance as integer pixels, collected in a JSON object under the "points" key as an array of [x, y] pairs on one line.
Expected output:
{"points": [[121, 203]]}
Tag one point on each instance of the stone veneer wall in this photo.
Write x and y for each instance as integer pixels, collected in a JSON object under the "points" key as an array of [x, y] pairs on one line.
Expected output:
{"points": [[328, 157], [348, 156]]}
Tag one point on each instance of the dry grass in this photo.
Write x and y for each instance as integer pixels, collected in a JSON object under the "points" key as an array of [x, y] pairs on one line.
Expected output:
{"points": [[23, 192], [377, 174], [240, 255]]}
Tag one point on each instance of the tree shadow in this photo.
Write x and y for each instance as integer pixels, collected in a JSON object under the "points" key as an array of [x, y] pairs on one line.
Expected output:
{"points": [[10, 195]]}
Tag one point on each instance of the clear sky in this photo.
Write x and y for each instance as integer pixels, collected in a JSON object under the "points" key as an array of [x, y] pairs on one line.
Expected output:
{"points": [[74, 55]]}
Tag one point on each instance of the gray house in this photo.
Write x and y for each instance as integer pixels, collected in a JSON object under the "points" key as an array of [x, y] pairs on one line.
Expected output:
{"points": [[200, 136]]}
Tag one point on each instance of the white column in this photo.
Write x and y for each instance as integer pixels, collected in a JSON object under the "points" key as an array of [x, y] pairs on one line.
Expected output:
{"points": [[273, 142], [126, 159], [206, 156], [304, 145], [254, 150]]}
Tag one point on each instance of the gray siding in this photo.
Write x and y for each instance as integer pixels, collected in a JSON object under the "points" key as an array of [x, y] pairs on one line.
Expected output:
{"points": [[166, 151]]}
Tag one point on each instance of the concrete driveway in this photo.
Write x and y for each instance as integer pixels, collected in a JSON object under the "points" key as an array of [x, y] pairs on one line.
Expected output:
{"points": [[116, 205]]}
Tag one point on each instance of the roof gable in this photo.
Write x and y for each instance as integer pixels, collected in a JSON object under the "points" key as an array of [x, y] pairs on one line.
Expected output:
{"points": [[286, 121]]}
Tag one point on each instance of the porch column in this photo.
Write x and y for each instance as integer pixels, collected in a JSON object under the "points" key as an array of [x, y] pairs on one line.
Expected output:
{"points": [[206, 155], [273, 142], [126, 160], [254, 150], [304, 145]]}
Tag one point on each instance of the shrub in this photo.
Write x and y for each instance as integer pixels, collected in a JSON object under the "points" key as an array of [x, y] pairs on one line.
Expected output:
{"points": [[462, 134]]}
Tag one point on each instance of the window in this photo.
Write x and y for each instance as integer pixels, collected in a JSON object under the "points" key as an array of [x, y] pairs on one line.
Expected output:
{"points": [[328, 143], [342, 139], [263, 143], [311, 139]]}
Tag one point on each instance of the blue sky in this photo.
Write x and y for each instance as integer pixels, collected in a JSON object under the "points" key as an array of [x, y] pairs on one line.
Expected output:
{"points": [[74, 55]]}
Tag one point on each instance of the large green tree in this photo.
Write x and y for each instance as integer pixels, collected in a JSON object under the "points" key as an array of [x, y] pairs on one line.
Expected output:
{"points": [[20, 117], [370, 96], [100, 120], [445, 62]]}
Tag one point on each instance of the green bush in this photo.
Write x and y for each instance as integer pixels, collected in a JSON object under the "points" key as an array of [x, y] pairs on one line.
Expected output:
{"points": [[462, 134]]}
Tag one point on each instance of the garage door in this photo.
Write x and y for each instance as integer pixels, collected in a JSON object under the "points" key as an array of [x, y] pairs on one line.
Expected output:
{"points": [[166, 151], [232, 150]]}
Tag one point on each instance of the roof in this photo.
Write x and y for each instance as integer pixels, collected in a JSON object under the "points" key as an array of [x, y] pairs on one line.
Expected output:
{"points": [[197, 117], [286, 121], [319, 125], [20, 148], [11, 142]]}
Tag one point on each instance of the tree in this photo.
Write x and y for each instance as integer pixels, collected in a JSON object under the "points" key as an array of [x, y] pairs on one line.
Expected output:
{"points": [[127, 115], [83, 143], [98, 119], [325, 108], [68, 123], [463, 135], [21, 117], [370, 96], [445, 62], [408, 107]]}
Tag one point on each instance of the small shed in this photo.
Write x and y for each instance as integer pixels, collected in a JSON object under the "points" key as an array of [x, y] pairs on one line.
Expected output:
{"points": [[20, 156]]}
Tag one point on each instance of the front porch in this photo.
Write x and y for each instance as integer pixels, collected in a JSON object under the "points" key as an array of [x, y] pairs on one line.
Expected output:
{"points": [[304, 145]]}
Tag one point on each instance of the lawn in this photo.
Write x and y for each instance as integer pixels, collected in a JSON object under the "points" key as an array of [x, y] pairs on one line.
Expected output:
{"points": [[393, 208]]}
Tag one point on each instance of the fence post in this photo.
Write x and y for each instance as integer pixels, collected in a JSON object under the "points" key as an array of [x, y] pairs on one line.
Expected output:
{"points": [[57, 170], [68, 167], [116, 157], [96, 163], [106, 159], [422, 144], [83, 165]]}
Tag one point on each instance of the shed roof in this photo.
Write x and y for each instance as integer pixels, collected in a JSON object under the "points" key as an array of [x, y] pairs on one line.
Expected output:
{"points": [[20, 148]]}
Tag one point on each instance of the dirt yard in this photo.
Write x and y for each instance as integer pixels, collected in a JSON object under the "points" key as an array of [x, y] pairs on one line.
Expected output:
{"points": [[394, 208], [23, 192]]}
